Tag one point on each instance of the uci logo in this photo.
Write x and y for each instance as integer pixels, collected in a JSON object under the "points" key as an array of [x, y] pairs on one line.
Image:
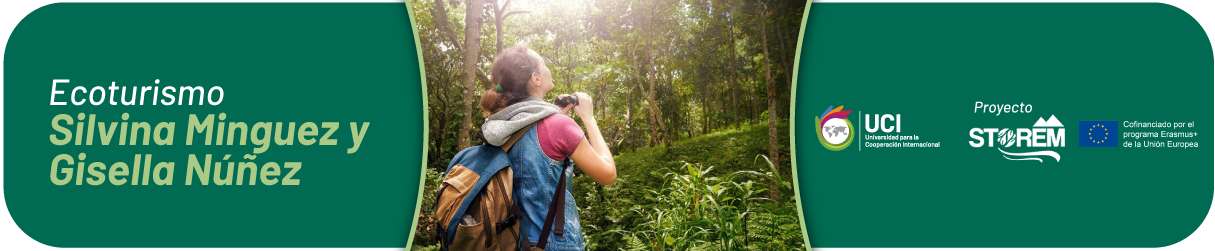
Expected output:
{"points": [[834, 129]]}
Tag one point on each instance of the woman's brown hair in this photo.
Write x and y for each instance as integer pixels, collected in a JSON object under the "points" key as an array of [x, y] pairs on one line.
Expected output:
{"points": [[511, 72]]}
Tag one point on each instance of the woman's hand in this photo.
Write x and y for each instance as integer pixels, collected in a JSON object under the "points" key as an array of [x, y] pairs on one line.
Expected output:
{"points": [[585, 107], [565, 109]]}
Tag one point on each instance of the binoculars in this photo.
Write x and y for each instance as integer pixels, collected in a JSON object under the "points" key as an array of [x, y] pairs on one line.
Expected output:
{"points": [[565, 100]]}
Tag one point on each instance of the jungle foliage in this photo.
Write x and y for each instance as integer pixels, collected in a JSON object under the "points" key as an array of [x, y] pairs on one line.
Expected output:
{"points": [[692, 96]]}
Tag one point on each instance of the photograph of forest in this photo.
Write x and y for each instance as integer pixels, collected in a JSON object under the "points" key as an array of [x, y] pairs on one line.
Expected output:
{"points": [[693, 97]]}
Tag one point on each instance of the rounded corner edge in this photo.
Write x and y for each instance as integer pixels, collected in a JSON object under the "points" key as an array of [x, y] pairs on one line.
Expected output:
{"points": [[7, 207], [1190, 16]]}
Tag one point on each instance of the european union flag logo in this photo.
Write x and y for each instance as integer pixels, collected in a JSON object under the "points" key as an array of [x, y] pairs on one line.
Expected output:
{"points": [[1099, 134]]}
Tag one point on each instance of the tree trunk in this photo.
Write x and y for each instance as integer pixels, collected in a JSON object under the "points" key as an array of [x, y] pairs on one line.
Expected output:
{"points": [[773, 141], [785, 54], [500, 16], [653, 121], [787, 66], [662, 136], [755, 101], [472, 45], [628, 113], [498, 9], [443, 118], [601, 107], [733, 73], [440, 14], [657, 124], [704, 109]]}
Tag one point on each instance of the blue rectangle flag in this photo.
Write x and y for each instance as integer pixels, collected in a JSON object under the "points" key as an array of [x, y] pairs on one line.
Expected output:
{"points": [[1099, 134]]}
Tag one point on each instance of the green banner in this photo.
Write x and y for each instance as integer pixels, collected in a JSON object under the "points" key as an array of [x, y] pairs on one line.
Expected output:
{"points": [[304, 125]]}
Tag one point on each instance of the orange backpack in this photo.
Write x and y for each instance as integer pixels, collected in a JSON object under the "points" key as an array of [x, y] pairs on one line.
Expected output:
{"points": [[475, 204]]}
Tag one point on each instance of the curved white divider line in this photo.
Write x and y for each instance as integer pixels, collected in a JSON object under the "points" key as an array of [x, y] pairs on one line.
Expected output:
{"points": [[1039, 160], [1047, 153]]}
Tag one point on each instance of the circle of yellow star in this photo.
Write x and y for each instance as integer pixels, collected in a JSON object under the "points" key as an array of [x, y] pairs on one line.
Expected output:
{"points": [[1107, 137]]}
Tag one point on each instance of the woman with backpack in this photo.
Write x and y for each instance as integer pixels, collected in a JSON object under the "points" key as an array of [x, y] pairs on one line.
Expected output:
{"points": [[539, 157]]}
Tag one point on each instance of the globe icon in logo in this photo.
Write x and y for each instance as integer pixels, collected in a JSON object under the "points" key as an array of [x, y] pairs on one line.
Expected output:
{"points": [[835, 131]]}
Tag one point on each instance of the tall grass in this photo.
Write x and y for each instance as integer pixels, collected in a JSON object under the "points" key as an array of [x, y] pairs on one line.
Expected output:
{"points": [[711, 192], [697, 211]]}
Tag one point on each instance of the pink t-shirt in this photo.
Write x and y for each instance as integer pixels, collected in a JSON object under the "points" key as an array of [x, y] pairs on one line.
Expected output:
{"points": [[559, 135]]}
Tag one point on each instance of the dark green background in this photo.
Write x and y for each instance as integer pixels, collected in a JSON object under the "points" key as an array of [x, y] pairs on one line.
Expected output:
{"points": [[931, 62], [276, 62]]}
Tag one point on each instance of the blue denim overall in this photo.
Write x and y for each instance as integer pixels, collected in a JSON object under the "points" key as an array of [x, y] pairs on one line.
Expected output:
{"points": [[536, 177]]}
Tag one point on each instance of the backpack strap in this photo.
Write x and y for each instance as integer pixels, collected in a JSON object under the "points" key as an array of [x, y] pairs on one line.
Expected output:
{"points": [[554, 222], [515, 138]]}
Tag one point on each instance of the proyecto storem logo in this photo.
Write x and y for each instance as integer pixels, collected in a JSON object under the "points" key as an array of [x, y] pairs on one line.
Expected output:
{"points": [[1045, 133], [834, 129]]}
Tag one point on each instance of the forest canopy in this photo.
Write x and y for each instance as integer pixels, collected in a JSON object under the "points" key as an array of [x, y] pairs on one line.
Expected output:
{"points": [[659, 70]]}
